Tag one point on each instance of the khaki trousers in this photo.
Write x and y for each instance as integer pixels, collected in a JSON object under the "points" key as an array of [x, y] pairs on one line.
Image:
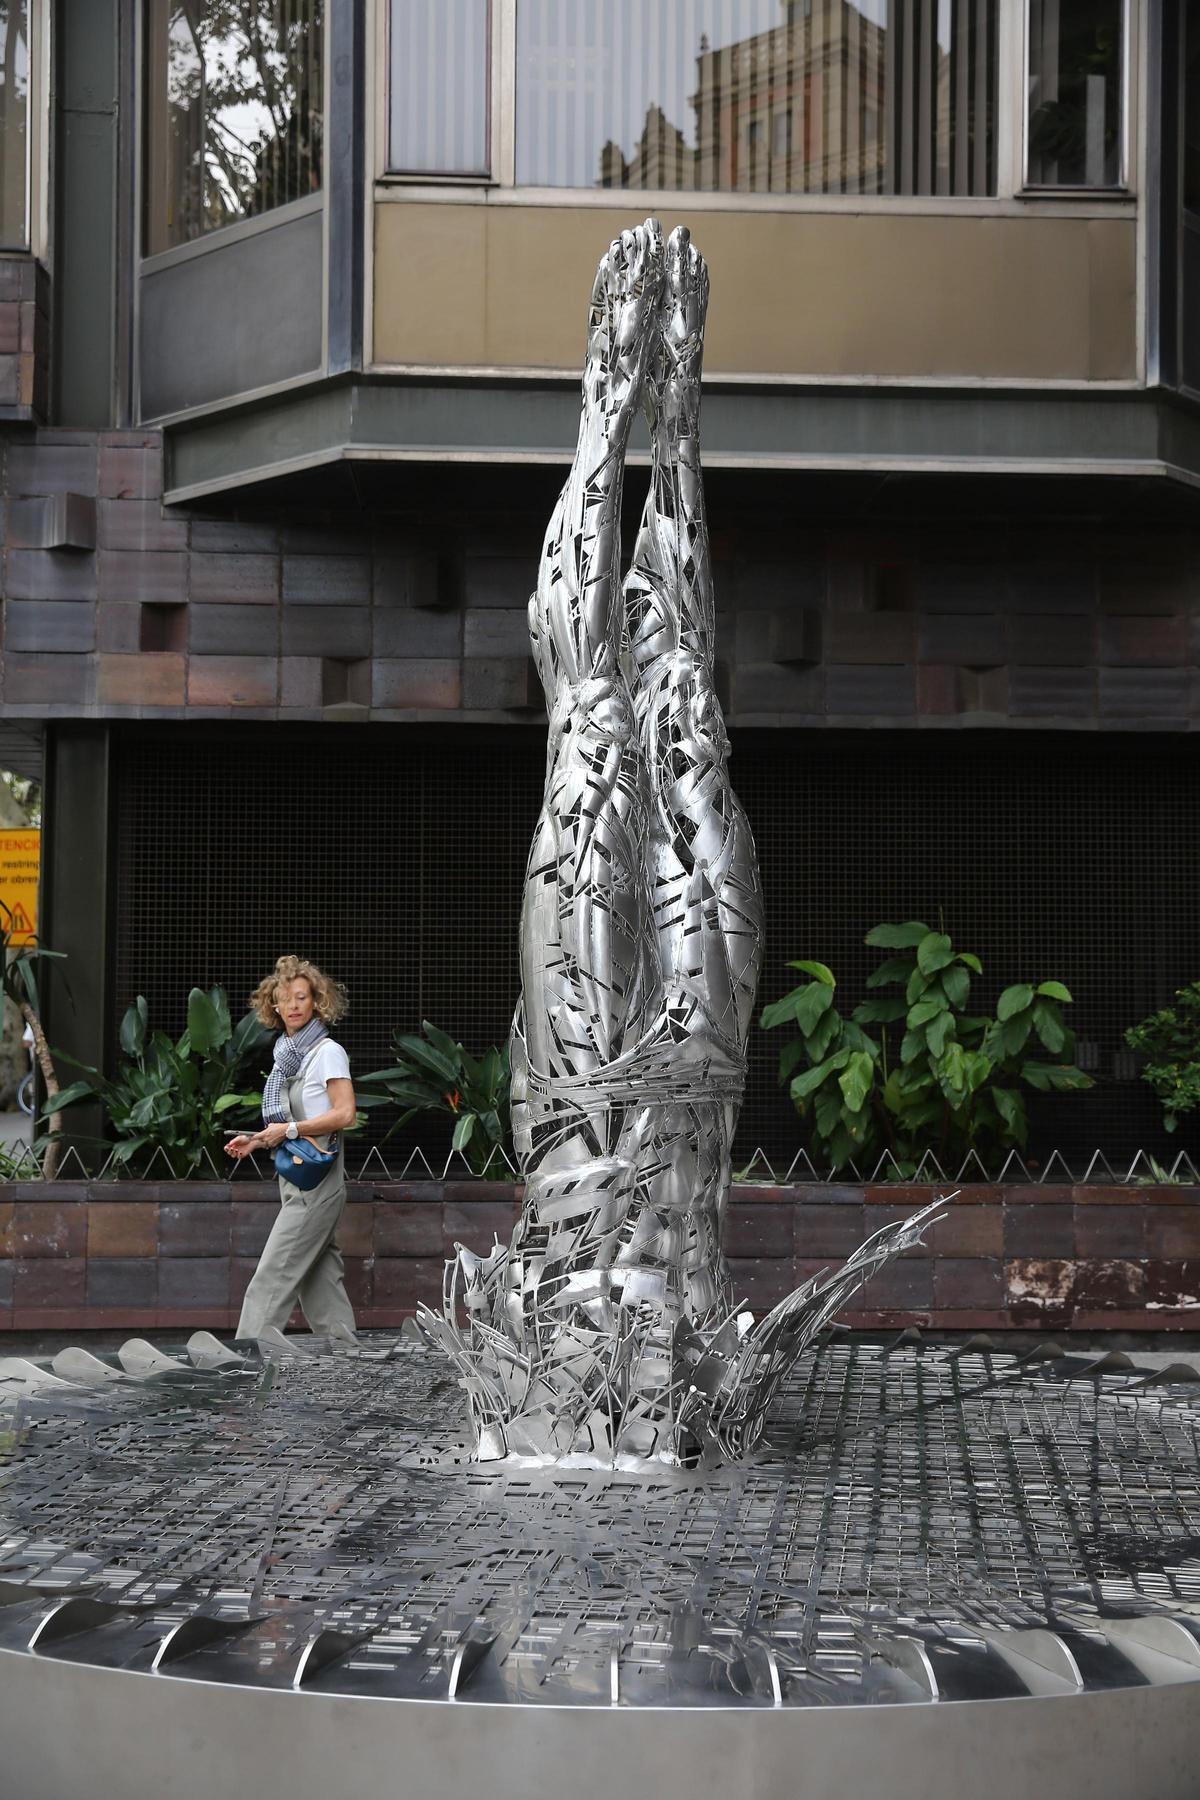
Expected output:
{"points": [[300, 1261]]}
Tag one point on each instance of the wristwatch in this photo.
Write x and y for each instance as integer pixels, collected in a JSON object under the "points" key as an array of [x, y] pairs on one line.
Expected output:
{"points": [[291, 1129]]}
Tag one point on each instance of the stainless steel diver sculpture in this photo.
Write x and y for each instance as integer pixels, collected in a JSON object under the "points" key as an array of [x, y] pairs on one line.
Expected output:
{"points": [[607, 1331]]}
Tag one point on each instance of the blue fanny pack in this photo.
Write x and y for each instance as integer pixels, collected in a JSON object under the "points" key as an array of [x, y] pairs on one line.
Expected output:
{"points": [[299, 1161]]}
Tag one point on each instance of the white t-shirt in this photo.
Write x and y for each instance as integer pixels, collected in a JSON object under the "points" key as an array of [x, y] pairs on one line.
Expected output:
{"points": [[328, 1062]]}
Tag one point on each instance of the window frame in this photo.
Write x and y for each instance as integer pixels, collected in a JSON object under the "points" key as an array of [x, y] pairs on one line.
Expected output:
{"points": [[1013, 196], [1123, 188], [492, 131], [147, 260], [36, 238]]}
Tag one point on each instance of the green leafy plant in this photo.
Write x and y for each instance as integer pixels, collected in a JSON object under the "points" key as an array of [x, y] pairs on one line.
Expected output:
{"points": [[1169, 1041], [173, 1095], [433, 1073], [18, 976], [913, 1071]]}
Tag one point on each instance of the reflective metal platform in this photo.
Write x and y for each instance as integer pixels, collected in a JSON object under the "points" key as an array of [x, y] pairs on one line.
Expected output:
{"points": [[184, 1552]]}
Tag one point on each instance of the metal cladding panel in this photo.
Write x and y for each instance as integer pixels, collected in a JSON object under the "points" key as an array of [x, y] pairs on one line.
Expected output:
{"points": [[239, 316]]}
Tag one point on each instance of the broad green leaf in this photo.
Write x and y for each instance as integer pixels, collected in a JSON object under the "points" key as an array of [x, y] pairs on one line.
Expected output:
{"points": [[956, 984], [806, 1084], [1011, 1108], [879, 1012], [789, 1056], [938, 1031], [248, 1035], [490, 1121], [853, 1038], [416, 1050], [221, 1008], [815, 999], [857, 1079], [821, 1040], [934, 952], [912, 1046], [917, 985], [926, 1009], [441, 1040], [133, 1028], [827, 1110], [1014, 1000], [892, 1092], [896, 968], [817, 970], [203, 1023], [1058, 1078], [951, 1073], [1054, 990], [1049, 1027], [780, 1012], [129, 1147], [972, 962], [464, 1131], [1014, 1034], [70, 1096], [810, 1081], [897, 937]]}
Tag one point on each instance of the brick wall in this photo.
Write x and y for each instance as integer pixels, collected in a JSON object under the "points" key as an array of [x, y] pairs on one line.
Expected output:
{"points": [[24, 338], [115, 608], [139, 1256]]}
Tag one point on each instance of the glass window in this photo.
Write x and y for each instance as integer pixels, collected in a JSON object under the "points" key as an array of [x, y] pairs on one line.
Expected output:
{"points": [[438, 68], [1076, 77], [758, 96], [233, 112], [14, 124]]}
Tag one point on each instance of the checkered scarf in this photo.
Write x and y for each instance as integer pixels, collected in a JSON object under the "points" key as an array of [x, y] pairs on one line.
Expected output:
{"points": [[289, 1054]]}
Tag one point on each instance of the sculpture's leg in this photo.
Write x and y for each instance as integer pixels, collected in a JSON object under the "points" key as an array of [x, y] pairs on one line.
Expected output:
{"points": [[589, 964], [705, 889]]}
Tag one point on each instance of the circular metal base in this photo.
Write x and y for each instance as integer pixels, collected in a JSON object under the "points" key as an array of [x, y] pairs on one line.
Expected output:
{"points": [[252, 1554]]}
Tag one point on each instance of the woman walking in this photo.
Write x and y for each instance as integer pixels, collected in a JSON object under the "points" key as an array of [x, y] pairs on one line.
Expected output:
{"points": [[309, 1098]]}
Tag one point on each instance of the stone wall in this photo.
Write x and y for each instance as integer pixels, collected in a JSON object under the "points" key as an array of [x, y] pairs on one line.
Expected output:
{"points": [[141, 1256], [24, 338], [117, 609]]}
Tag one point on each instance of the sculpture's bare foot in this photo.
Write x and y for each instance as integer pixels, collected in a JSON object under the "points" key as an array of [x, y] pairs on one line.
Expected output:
{"points": [[673, 383], [621, 321]]}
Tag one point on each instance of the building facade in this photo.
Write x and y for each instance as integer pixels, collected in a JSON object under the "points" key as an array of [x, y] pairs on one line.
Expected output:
{"points": [[291, 316]]}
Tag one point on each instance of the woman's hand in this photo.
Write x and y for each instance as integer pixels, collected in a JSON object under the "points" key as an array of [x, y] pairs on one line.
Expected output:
{"points": [[266, 1139]]}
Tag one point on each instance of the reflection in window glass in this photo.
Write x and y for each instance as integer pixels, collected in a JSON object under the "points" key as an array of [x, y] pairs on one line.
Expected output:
{"points": [[438, 87], [758, 96], [1075, 81], [14, 123], [234, 112]]}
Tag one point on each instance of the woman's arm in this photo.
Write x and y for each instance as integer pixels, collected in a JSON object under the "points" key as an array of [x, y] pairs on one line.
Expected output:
{"points": [[340, 1117]]}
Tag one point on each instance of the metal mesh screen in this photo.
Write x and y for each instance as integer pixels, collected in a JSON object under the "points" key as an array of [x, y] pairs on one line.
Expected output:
{"points": [[394, 856]]}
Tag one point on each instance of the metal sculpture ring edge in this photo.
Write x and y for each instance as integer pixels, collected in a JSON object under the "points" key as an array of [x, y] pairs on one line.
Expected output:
{"points": [[607, 1332], [117, 1732]]}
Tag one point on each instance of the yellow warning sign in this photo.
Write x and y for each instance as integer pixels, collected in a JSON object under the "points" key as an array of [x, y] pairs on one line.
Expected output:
{"points": [[20, 860]]}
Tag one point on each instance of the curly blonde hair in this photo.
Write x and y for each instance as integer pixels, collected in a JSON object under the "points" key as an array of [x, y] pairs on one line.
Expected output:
{"points": [[329, 996]]}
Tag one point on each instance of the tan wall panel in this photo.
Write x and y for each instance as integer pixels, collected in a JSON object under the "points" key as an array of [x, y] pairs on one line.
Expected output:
{"points": [[793, 293], [430, 284]]}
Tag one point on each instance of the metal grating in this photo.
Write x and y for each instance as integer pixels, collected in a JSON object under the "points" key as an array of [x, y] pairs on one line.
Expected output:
{"points": [[911, 1495], [1062, 855]]}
